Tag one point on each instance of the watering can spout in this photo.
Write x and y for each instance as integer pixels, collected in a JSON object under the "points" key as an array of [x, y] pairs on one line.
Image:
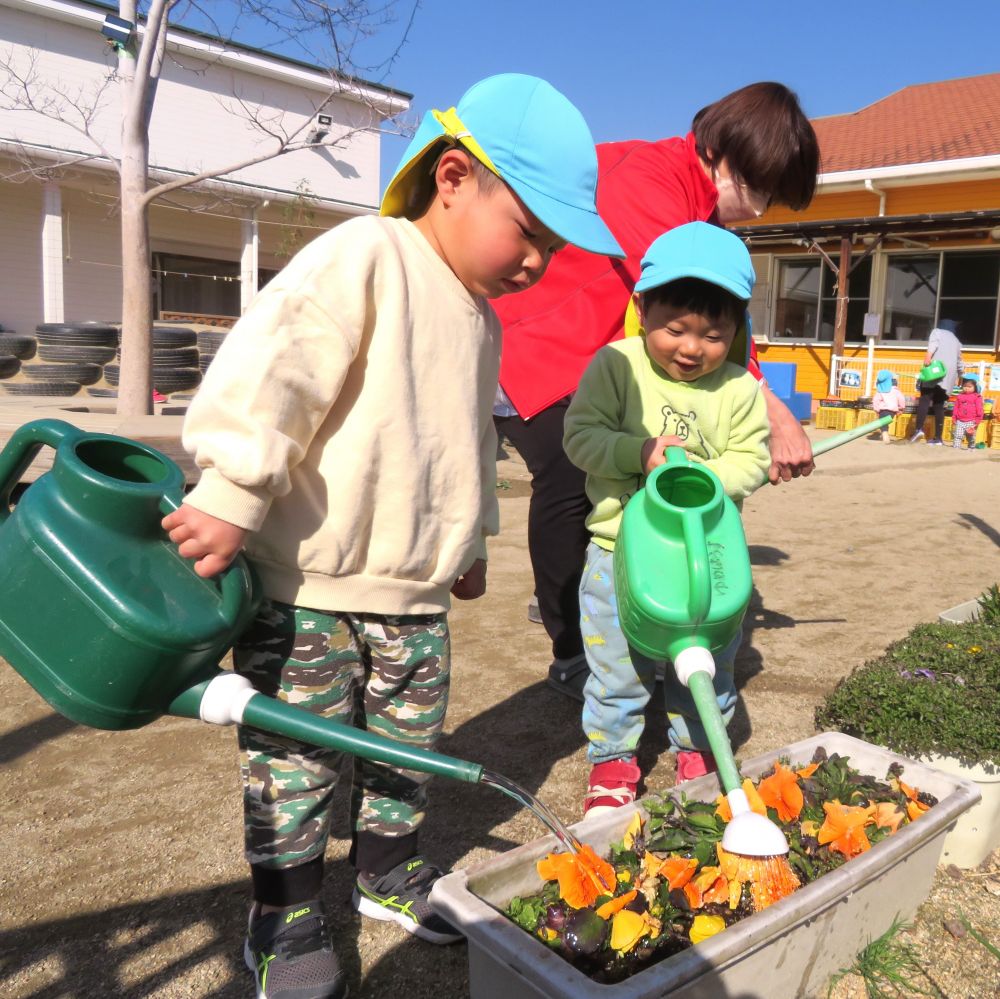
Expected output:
{"points": [[230, 699]]}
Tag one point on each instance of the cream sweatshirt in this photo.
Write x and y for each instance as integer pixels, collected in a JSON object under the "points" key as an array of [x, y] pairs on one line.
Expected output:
{"points": [[625, 398], [347, 422]]}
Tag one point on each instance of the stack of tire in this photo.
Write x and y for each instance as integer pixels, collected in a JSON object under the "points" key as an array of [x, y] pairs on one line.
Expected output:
{"points": [[68, 356], [209, 342], [175, 361], [14, 348]]}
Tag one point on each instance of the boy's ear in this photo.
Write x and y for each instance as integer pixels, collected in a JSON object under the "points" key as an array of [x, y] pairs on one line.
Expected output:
{"points": [[452, 173], [637, 305]]}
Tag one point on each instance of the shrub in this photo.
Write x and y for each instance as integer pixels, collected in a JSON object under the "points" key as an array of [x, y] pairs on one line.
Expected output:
{"points": [[935, 691]]}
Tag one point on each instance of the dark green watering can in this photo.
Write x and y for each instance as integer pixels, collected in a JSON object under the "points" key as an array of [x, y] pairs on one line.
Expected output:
{"points": [[102, 616]]}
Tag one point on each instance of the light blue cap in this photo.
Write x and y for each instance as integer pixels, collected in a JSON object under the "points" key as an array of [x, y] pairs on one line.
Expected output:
{"points": [[883, 380], [970, 378], [532, 137], [698, 250]]}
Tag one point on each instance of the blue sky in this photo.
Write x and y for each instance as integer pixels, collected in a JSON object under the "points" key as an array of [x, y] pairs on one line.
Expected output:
{"points": [[643, 74]]}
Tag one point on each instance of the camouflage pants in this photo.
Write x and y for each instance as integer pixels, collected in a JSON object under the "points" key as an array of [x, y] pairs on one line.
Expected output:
{"points": [[387, 674]]}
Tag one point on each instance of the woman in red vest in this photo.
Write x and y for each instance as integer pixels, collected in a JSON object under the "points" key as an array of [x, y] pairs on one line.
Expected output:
{"points": [[745, 152]]}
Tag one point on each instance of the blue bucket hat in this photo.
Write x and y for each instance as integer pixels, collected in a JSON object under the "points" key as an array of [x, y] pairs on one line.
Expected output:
{"points": [[530, 136], [970, 378], [883, 380], [698, 250]]}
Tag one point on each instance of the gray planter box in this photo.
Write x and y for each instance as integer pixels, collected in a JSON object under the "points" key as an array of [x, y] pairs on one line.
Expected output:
{"points": [[788, 951], [961, 614]]}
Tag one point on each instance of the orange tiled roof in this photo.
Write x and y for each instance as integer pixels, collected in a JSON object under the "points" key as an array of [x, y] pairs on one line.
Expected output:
{"points": [[919, 124]]}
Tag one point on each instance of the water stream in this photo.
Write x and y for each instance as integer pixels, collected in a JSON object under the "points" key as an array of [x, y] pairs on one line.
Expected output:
{"points": [[528, 800]]}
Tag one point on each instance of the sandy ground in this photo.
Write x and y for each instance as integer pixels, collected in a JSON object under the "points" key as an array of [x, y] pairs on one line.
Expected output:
{"points": [[120, 853]]}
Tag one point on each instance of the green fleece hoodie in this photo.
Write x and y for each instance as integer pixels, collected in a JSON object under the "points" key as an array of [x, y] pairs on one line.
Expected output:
{"points": [[625, 398]]}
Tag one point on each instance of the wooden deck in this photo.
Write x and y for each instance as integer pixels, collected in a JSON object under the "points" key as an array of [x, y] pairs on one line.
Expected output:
{"points": [[162, 430]]}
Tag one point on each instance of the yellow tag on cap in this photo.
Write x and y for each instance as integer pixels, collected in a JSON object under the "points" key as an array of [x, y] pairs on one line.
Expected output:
{"points": [[455, 129], [632, 325]]}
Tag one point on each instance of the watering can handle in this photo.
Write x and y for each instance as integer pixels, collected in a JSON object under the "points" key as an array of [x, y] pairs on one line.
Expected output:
{"points": [[22, 448], [696, 549], [236, 582], [699, 580]]}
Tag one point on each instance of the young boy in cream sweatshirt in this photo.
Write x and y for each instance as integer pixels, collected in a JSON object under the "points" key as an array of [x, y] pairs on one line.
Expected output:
{"points": [[670, 386], [345, 437]]}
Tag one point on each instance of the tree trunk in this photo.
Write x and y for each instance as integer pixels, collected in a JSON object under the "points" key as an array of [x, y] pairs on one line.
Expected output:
{"points": [[135, 389]]}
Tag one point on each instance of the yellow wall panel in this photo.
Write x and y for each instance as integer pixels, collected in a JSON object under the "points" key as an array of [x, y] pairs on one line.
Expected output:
{"points": [[813, 362], [916, 200]]}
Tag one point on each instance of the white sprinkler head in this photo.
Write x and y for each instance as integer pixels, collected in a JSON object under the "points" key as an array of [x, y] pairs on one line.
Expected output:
{"points": [[750, 834]]}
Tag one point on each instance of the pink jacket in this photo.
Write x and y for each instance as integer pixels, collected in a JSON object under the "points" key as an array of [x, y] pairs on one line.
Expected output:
{"points": [[893, 400], [968, 406]]}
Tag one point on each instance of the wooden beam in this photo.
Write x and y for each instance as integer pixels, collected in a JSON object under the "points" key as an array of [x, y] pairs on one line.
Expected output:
{"points": [[843, 285], [162, 432]]}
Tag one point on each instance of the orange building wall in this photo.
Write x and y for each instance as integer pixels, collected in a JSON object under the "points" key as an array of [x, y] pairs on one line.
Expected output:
{"points": [[916, 200], [813, 362]]}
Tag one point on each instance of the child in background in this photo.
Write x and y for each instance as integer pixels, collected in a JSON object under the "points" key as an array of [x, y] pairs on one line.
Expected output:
{"points": [[345, 435], [887, 400], [670, 386], [967, 412]]}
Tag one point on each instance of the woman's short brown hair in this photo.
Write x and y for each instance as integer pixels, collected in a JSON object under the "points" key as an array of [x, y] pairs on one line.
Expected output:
{"points": [[767, 141]]}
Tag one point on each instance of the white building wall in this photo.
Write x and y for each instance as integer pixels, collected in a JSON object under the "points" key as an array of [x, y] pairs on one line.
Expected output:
{"points": [[92, 273], [21, 256], [197, 122]]}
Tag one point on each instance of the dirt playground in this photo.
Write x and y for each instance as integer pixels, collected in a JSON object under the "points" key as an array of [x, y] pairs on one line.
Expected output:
{"points": [[121, 872]]}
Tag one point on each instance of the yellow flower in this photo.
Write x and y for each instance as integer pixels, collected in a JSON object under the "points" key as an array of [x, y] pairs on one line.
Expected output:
{"points": [[627, 929], [704, 927], [634, 828], [974, 648]]}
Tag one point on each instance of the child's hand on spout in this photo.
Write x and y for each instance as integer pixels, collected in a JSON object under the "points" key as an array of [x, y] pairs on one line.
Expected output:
{"points": [[652, 451], [472, 582], [212, 542]]}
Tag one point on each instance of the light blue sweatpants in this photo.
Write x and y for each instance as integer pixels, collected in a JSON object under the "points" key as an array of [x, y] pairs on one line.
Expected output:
{"points": [[622, 679]]}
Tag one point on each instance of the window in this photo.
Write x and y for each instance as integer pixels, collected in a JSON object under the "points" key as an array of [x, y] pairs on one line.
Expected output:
{"points": [[196, 285], [925, 288], [806, 304], [910, 297]]}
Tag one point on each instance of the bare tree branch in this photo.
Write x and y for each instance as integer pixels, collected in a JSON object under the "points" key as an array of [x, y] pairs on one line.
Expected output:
{"points": [[291, 24], [25, 91]]}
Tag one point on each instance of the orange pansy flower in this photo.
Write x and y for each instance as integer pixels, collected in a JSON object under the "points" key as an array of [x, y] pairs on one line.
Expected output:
{"points": [[677, 871], [607, 910], [844, 828], [808, 771], [781, 792], [713, 885], [888, 816], [582, 876]]}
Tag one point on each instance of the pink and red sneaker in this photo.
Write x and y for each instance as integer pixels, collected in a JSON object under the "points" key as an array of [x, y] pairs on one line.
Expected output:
{"points": [[611, 785], [692, 763]]}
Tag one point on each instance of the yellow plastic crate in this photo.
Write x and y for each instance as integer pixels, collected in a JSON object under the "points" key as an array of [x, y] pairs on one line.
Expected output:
{"points": [[903, 425], [995, 434], [835, 418], [863, 416]]}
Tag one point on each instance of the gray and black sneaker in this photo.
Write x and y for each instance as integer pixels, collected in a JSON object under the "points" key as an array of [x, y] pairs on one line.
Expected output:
{"points": [[401, 896], [291, 956]]}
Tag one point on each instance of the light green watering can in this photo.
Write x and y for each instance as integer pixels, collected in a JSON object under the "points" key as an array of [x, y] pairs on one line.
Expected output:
{"points": [[683, 584], [102, 616]]}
